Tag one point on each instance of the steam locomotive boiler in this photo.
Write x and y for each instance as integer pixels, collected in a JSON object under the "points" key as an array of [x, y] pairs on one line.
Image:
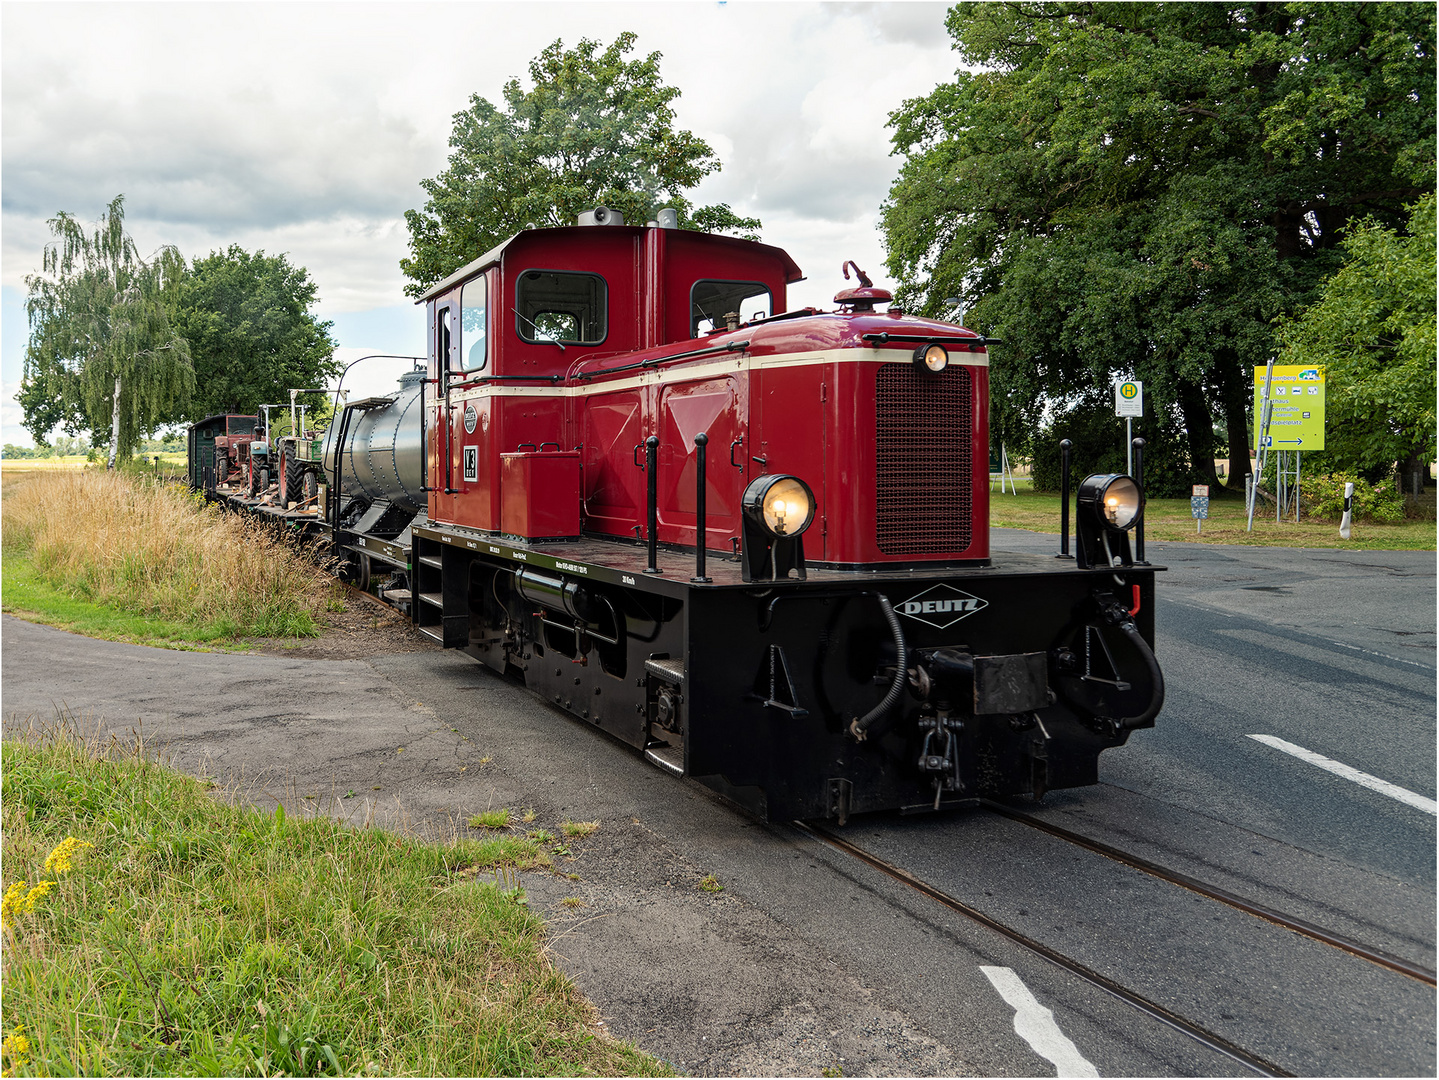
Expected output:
{"points": [[750, 542]]}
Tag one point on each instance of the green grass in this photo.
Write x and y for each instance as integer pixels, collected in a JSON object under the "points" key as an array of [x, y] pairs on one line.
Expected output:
{"points": [[121, 556], [30, 597], [491, 819], [1171, 519], [196, 936]]}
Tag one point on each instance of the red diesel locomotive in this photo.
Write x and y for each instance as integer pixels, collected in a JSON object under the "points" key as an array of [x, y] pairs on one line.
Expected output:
{"points": [[751, 542]]}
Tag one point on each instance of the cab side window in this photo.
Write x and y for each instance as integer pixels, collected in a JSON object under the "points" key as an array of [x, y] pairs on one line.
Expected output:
{"points": [[561, 306], [475, 324], [712, 302]]}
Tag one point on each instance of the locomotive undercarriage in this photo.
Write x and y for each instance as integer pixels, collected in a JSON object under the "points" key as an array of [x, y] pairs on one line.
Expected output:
{"points": [[790, 698]]}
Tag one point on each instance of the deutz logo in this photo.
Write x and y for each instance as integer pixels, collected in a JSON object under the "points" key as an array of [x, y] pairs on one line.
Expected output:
{"points": [[941, 606]]}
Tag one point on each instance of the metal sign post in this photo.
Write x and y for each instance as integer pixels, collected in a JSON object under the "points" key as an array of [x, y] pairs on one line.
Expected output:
{"points": [[1199, 506], [1261, 441], [1129, 403]]}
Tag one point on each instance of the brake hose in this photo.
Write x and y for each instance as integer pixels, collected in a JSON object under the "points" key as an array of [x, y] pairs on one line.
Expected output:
{"points": [[860, 726], [1118, 616]]}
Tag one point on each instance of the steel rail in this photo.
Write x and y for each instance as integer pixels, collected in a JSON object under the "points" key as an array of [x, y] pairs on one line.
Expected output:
{"points": [[1203, 1036], [1223, 896]]}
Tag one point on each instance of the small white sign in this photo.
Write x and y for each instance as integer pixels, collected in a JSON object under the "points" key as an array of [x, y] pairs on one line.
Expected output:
{"points": [[1129, 398], [1201, 489]]}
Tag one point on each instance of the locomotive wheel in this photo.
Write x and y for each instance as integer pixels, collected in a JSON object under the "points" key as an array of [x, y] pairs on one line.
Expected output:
{"points": [[362, 573], [310, 486], [294, 479]]}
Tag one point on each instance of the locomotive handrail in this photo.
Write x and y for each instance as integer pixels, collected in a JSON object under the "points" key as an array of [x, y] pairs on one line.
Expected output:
{"points": [[881, 338], [470, 384], [731, 346], [652, 447]]}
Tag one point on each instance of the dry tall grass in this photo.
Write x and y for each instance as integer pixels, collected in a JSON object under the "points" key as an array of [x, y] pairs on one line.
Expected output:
{"points": [[156, 549]]}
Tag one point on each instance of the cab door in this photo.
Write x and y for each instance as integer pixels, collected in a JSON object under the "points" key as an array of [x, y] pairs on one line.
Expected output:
{"points": [[715, 407]]}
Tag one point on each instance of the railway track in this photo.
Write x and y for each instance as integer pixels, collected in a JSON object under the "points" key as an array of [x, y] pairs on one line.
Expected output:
{"points": [[1205, 1037], [1223, 896]]}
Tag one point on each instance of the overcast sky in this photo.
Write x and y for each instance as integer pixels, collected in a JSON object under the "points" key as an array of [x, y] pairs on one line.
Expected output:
{"points": [[306, 128]]}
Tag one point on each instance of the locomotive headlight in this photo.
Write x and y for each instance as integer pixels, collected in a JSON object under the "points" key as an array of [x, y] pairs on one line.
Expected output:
{"points": [[1109, 506], [783, 505], [1115, 500], [931, 359]]}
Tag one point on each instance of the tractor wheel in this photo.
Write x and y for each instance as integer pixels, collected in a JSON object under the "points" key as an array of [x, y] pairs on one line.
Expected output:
{"points": [[222, 471], [252, 478], [264, 481], [310, 487], [294, 479]]}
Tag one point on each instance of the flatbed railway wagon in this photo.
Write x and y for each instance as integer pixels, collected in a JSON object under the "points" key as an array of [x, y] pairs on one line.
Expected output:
{"points": [[750, 542]]}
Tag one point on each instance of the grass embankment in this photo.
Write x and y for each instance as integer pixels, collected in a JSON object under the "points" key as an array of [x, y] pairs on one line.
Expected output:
{"points": [[126, 558], [180, 934], [1171, 519]]}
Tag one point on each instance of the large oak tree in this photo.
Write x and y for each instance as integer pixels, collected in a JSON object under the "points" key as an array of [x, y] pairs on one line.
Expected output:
{"points": [[251, 332], [1141, 190], [593, 129]]}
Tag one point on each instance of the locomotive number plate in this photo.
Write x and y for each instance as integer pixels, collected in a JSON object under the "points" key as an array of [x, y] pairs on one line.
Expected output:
{"points": [[472, 463]]}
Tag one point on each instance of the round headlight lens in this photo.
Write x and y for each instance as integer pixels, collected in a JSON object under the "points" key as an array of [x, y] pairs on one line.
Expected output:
{"points": [[784, 505], [931, 359], [1116, 499]]}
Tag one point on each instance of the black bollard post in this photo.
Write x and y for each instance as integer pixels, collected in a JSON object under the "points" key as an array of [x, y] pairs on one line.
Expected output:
{"points": [[701, 440], [652, 449], [1139, 525], [1064, 447]]}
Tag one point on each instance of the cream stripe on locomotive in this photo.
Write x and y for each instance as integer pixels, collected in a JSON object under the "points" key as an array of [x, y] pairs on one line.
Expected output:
{"points": [[709, 369]]}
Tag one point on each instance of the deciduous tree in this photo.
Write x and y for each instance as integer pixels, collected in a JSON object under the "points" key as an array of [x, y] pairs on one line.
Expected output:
{"points": [[1373, 331], [593, 129], [251, 332], [103, 351], [1140, 190]]}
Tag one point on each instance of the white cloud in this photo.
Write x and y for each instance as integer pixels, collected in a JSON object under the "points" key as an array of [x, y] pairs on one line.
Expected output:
{"points": [[306, 128]]}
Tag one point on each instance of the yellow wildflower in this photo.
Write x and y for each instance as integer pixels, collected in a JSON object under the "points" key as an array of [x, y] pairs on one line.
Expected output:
{"points": [[12, 903], [16, 1047], [58, 861], [35, 895]]}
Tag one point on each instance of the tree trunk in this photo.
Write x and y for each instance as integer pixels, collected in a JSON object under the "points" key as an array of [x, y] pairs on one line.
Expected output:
{"points": [[115, 427], [1200, 421], [1236, 388]]}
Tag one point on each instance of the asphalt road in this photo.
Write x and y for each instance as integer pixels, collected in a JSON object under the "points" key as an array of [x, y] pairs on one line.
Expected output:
{"points": [[809, 960]]}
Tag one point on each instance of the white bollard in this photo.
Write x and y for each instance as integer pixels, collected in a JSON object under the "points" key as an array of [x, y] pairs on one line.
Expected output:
{"points": [[1348, 511]]}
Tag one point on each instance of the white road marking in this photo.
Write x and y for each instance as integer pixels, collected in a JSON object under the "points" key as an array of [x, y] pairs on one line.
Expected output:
{"points": [[1384, 656], [1035, 1025], [1338, 768]]}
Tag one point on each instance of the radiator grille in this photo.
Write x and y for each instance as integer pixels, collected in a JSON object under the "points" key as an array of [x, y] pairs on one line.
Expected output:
{"points": [[923, 455]]}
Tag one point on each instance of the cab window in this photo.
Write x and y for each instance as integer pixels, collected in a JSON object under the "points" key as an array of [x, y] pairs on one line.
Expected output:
{"points": [[475, 324], [712, 301], [557, 305]]}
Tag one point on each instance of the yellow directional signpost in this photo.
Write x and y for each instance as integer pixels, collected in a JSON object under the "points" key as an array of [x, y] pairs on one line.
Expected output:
{"points": [[1296, 420], [1288, 420]]}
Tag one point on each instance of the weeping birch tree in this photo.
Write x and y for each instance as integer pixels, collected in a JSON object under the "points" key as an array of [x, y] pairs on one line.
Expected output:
{"points": [[103, 351]]}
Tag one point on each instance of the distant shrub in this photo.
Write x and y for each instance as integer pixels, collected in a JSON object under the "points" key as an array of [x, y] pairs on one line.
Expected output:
{"points": [[1381, 503]]}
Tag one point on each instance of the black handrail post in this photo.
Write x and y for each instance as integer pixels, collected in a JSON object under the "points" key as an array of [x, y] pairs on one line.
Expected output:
{"points": [[701, 440], [1138, 445], [652, 448], [1064, 448]]}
